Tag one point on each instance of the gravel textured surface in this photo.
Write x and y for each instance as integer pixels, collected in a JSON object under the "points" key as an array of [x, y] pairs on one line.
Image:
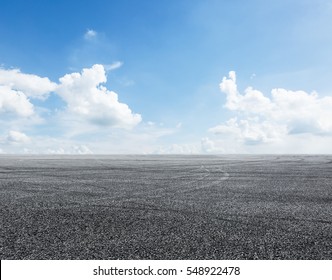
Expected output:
{"points": [[166, 207]]}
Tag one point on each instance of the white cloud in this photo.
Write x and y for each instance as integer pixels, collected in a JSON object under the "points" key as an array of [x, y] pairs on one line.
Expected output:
{"points": [[251, 131], [207, 145], [17, 137], [16, 90], [283, 122], [87, 99], [253, 101], [301, 111], [16, 142], [113, 66], [90, 34], [262, 119], [88, 110], [15, 102], [183, 149], [32, 86], [71, 150]]}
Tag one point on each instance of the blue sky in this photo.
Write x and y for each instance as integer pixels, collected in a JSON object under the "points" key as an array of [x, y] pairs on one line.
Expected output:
{"points": [[176, 76]]}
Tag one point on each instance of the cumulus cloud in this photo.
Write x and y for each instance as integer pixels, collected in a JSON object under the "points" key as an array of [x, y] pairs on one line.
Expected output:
{"points": [[263, 119], [303, 112], [32, 86], [16, 90], [17, 137], [87, 98], [207, 145], [15, 102], [251, 130], [88, 108]]}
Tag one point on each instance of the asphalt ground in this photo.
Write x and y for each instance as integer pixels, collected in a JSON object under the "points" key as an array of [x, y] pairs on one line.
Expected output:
{"points": [[166, 207]]}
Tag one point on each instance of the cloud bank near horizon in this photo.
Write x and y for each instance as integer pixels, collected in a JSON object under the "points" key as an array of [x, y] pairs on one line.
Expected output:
{"points": [[88, 106], [84, 95], [283, 121], [90, 101], [277, 119]]}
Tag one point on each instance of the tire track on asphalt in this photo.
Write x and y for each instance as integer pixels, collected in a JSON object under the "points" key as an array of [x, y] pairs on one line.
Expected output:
{"points": [[202, 181], [185, 182], [166, 189], [147, 202], [225, 176]]}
